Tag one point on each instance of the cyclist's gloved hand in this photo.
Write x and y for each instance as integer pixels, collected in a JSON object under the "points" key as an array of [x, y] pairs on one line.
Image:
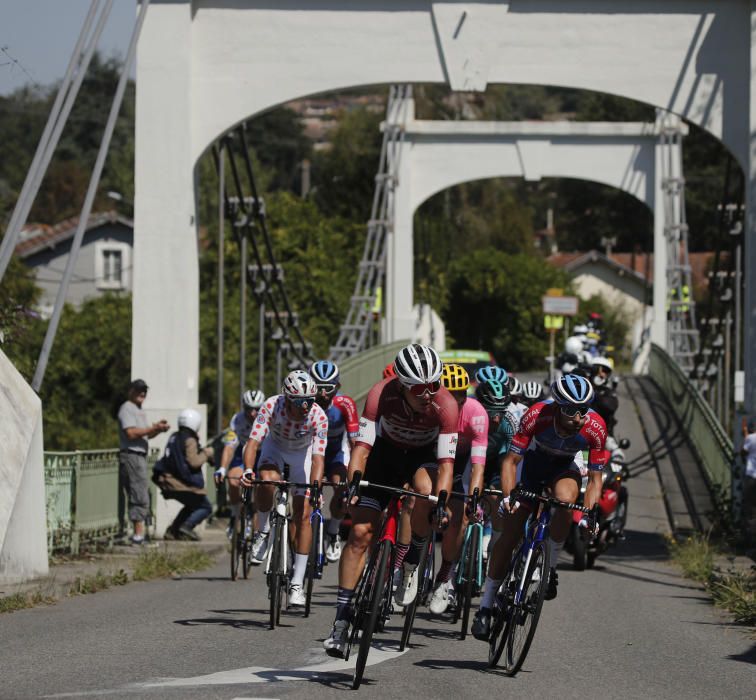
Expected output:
{"points": [[590, 523], [247, 478], [219, 475], [508, 504]]}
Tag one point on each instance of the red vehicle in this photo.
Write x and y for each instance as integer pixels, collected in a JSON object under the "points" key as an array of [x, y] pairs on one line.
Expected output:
{"points": [[612, 514]]}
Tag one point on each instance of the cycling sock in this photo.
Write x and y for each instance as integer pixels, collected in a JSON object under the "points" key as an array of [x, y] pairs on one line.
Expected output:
{"points": [[235, 510], [401, 552], [489, 592], [263, 521], [444, 573], [487, 529], [332, 528], [344, 603], [415, 548], [300, 567], [556, 547]]}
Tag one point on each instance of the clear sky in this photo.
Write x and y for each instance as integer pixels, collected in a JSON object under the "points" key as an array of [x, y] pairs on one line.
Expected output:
{"points": [[40, 35]]}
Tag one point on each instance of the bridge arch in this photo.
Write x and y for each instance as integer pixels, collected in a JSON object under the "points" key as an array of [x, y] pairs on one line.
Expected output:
{"points": [[437, 155], [204, 65]]}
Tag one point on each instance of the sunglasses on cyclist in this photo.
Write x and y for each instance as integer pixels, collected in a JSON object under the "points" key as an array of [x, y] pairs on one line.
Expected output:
{"points": [[326, 388], [573, 411], [422, 389], [302, 403]]}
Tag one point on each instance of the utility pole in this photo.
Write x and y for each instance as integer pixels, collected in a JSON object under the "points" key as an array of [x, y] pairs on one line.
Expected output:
{"points": [[221, 283]]}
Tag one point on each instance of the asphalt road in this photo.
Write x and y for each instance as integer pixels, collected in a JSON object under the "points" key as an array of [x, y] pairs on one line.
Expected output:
{"points": [[632, 627]]}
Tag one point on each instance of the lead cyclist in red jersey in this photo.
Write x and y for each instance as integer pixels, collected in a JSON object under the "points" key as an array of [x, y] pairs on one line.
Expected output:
{"points": [[408, 434], [550, 435]]}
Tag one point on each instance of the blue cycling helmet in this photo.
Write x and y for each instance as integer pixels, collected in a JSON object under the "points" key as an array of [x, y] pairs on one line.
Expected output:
{"points": [[324, 372], [572, 390], [491, 373]]}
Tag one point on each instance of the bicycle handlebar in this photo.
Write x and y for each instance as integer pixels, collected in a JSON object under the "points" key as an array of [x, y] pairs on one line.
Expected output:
{"points": [[550, 500], [358, 482]]}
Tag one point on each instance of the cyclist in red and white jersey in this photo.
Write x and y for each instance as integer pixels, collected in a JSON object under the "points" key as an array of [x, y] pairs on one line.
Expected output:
{"points": [[550, 436], [469, 466], [293, 430], [408, 434]]}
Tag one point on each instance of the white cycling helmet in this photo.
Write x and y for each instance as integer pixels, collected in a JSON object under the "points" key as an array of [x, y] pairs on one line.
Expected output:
{"points": [[417, 364], [189, 418], [580, 329], [515, 386], [532, 391], [253, 398], [604, 362], [299, 385], [573, 345]]}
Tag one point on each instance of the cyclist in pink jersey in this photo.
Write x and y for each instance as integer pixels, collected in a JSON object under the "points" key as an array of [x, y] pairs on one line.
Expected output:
{"points": [[408, 434], [293, 430], [469, 467]]}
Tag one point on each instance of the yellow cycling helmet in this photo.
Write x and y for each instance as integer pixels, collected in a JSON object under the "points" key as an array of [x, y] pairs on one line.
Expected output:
{"points": [[455, 377]]}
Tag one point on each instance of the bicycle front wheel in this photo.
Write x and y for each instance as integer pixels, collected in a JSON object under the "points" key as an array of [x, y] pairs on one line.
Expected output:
{"points": [[236, 535], [471, 574], [247, 519], [275, 574], [380, 580], [522, 622], [312, 563], [411, 610]]}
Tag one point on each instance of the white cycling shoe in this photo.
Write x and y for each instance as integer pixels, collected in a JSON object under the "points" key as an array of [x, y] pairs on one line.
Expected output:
{"points": [[335, 644], [259, 547], [333, 549], [439, 601], [406, 585], [297, 597]]}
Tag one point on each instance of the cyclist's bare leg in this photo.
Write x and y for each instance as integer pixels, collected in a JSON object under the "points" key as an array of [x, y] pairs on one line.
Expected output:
{"points": [[264, 495], [337, 476], [511, 533], [365, 523], [423, 482], [454, 535], [233, 488], [566, 489], [405, 522], [300, 530]]}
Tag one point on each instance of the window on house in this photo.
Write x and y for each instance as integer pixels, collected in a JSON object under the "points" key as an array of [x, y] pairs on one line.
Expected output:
{"points": [[112, 261]]}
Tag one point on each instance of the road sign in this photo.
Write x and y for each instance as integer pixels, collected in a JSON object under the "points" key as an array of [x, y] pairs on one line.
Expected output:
{"points": [[560, 306], [553, 323]]}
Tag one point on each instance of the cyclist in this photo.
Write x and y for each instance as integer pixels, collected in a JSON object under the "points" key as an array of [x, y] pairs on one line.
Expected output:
{"points": [[606, 402], [550, 435], [495, 398], [408, 434], [234, 441], [343, 424], [470, 460], [297, 430], [517, 408], [491, 372], [532, 392]]}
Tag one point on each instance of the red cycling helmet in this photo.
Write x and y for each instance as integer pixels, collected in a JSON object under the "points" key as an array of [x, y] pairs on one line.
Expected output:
{"points": [[389, 371]]}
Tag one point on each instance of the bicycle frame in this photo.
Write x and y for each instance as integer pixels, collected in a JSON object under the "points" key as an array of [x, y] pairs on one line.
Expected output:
{"points": [[473, 530], [320, 552]]}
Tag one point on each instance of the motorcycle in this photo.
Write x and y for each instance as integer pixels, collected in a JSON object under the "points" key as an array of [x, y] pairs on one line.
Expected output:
{"points": [[612, 511]]}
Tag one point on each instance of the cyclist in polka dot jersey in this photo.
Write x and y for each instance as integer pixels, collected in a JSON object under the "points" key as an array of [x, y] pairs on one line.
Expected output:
{"points": [[290, 429]]}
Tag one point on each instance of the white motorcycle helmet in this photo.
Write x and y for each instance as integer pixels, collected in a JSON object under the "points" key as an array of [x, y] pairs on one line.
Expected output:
{"points": [[189, 418], [604, 362], [573, 345]]}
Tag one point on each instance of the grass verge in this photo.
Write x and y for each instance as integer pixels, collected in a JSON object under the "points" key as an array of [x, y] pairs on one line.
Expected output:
{"points": [[734, 590], [150, 564]]}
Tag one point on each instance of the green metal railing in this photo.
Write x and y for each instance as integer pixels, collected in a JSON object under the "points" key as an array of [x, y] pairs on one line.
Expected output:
{"points": [[711, 443], [361, 371], [82, 497]]}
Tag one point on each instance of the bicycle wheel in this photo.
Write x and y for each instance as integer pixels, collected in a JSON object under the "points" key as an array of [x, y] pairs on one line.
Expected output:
{"points": [[247, 519], [236, 535], [274, 575], [312, 563], [377, 588], [471, 573], [522, 623], [411, 609]]}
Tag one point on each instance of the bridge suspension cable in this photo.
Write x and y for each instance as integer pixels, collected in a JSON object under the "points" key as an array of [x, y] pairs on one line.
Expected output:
{"points": [[355, 334], [247, 213], [682, 330]]}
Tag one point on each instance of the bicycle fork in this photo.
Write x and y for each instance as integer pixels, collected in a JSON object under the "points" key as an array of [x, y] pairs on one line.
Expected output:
{"points": [[319, 555]]}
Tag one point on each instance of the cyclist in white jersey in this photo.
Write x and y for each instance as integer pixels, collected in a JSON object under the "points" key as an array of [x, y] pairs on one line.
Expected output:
{"points": [[297, 433]]}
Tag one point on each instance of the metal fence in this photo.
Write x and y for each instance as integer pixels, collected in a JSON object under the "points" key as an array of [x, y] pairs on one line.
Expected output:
{"points": [[711, 443], [83, 500]]}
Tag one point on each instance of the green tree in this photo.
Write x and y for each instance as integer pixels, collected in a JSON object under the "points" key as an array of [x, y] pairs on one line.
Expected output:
{"points": [[495, 304]]}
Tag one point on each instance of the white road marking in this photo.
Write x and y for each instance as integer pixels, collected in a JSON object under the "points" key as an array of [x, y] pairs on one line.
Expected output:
{"points": [[260, 674]]}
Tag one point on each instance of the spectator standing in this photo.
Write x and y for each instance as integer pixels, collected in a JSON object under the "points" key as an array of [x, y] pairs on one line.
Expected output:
{"points": [[749, 483], [179, 476], [133, 433]]}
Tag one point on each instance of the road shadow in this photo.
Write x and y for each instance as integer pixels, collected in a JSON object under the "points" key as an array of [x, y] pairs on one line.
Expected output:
{"points": [[748, 657], [463, 665], [241, 624]]}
